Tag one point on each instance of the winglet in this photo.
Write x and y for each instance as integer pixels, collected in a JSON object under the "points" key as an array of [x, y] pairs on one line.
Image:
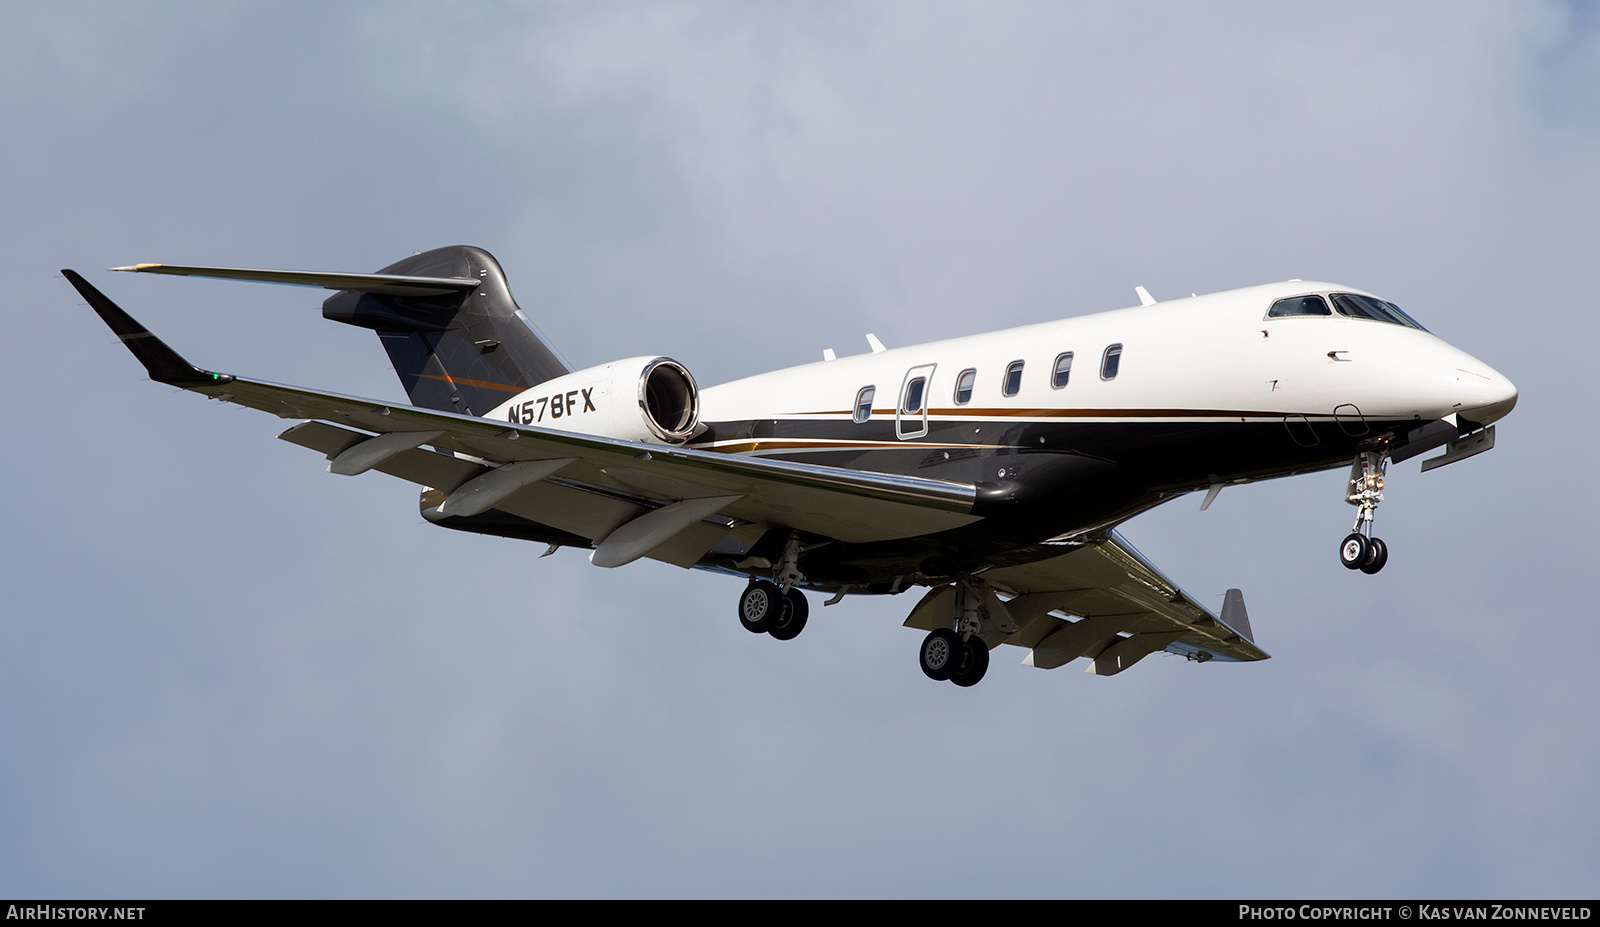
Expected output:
{"points": [[1234, 616], [164, 364]]}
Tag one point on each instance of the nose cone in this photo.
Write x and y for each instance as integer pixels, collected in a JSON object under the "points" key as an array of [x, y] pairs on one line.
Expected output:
{"points": [[1482, 395]]}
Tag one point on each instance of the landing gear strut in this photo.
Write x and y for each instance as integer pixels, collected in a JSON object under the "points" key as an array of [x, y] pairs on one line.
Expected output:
{"points": [[777, 608], [958, 654], [1360, 550]]}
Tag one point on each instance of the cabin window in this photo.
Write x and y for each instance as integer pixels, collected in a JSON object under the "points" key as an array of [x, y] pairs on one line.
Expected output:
{"points": [[1013, 381], [1110, 362], [913, 398], [864, 403], [1298, 306], [1063, 370], [964, 384], [1367, 307]]}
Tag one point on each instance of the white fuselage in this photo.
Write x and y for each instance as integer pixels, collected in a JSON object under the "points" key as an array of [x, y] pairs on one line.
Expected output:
{"points": [[1208, 353], [1205, 390]]}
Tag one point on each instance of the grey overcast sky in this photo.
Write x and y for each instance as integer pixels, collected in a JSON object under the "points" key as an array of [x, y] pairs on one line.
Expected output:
{"points": [[225, 672]]}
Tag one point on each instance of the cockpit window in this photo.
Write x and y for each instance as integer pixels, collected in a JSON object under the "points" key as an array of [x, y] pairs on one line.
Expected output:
{"points": [[1367, 307], [1297, 306]]}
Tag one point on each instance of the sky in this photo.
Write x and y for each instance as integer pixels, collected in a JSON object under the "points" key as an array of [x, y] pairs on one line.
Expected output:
{"points": [[227, 673]]}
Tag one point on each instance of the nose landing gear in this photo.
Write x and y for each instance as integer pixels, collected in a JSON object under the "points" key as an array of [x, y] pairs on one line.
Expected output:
{"points": [[1360, 550]]}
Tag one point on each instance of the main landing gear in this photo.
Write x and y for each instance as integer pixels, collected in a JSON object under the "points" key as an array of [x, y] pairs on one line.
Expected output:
{"points": [[944, 655], [778, 609], [1360, 550], [765, 608], [959, 655]]}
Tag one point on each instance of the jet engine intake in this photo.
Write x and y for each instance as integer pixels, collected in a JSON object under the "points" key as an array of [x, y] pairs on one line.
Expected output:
{"points": [[652, 399]]}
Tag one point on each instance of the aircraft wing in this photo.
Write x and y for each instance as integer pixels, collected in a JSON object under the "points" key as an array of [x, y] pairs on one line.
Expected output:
{"points": [[1103, 600], [676, 503], [1124, 608]]}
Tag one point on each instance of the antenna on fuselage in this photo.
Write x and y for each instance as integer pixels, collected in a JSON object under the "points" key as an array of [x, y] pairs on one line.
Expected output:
{"points": [[1145, 299]]}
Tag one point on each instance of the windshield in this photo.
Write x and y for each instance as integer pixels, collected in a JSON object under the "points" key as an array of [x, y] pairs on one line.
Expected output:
{"points": [[1368, 307], [1297, 306]]}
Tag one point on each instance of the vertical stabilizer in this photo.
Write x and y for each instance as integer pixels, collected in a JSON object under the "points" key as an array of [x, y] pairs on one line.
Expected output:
{"points": [[463, 352]]}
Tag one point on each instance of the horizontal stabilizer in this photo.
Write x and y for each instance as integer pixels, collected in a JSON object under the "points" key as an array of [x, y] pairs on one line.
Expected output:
{"points": [[381, 284]]}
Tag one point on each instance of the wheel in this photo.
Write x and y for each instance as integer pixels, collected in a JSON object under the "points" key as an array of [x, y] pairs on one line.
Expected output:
{"points": [[1353, 551], [1377, 556], [974, 664], [792, 621], [760, 606], [941, 651]]}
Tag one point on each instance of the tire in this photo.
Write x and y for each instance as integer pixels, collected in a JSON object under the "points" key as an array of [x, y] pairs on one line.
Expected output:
{"points": [[975, 665], [793, 618], [1377, 556], [1353, 551], [760, 606], [940, 654]]}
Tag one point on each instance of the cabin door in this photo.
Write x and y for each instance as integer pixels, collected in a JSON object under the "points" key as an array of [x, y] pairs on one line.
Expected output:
{"points": [[911, 414]]}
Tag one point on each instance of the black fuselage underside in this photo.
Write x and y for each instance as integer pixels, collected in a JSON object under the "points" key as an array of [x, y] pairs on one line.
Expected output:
{"points": [[1037, 481]]}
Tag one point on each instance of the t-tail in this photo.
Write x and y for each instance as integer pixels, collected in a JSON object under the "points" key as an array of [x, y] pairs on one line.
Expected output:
{"points": [[455, 336]]}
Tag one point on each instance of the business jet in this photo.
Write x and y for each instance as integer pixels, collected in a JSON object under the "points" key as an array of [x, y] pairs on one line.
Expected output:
{"points": [[989, 470]]}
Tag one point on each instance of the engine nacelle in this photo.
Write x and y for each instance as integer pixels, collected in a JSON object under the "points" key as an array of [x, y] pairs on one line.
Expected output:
{"points": [[637, 399]]}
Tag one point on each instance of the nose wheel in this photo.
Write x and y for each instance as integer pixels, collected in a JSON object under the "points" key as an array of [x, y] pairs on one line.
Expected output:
{"points": [[1360, 550]]}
